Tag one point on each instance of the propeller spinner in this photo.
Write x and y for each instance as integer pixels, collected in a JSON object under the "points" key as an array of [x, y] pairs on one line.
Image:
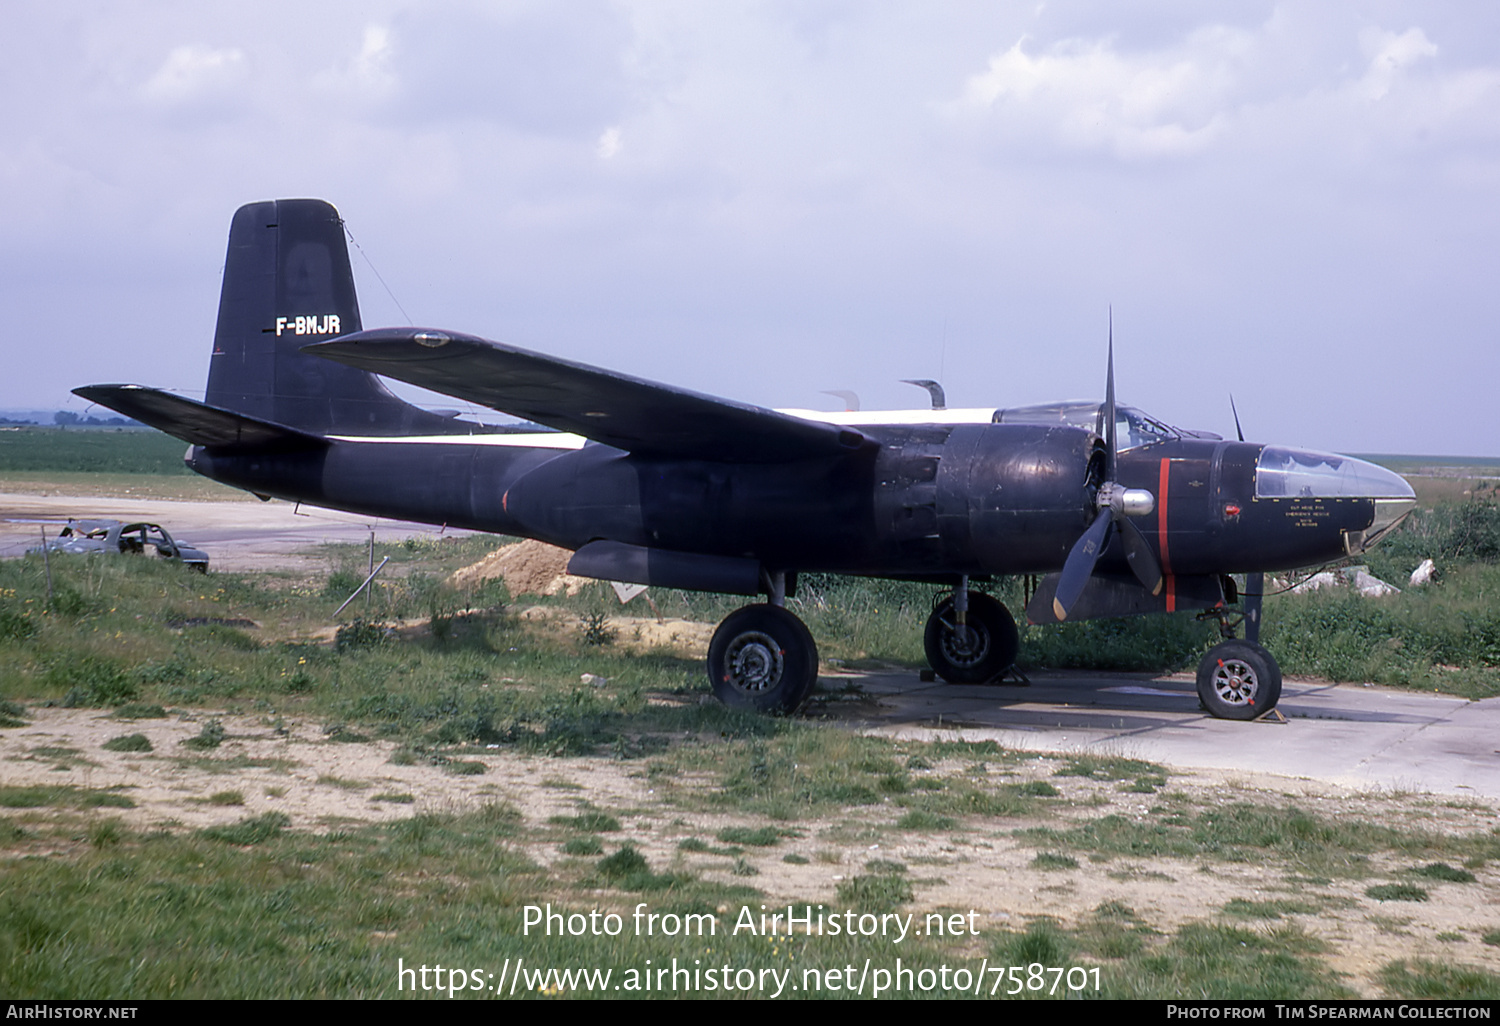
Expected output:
{"points": [[1115, 504]]}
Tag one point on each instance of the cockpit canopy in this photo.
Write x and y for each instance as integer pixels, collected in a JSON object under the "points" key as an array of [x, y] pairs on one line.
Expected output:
{"points": [[1292, 473], [1133, 428]]}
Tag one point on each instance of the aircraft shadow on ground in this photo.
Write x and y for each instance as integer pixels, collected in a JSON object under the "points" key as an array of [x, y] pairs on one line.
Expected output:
{"points": [[1116, 704]]}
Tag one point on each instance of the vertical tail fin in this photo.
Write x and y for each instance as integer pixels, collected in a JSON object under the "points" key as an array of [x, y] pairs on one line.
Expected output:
{"points": [[288, 283]]}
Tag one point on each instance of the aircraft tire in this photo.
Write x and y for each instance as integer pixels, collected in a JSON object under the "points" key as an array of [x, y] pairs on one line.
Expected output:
{"points": [[987, 649], [763, 658], [1239, 680]]}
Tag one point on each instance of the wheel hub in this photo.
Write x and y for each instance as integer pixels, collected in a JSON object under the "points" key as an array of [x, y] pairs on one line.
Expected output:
{"points": [[965, 646], [1235, 682], [755, 661]]}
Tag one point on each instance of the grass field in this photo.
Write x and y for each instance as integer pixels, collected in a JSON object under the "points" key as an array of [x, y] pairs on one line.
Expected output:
{"points": [[90, 451], [102, 461], [675, 802], [227, 694]]}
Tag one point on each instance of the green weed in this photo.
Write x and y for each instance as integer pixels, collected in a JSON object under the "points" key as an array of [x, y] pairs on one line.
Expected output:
{"points": [[1051, 860], [139, 711], [875, 892], [1274, 908], [65, 796], [254, 830], [1396, 892], [1443, 871], [361, 634], [755, 837], [11, 714], [590, 821], [628, 870], [211, 735], [1439, 981]]}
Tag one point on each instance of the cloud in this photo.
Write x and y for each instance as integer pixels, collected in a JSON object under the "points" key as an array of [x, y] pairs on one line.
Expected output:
{"points": [[1390, 56], [609, 143], [1213, 84], [832, 191], [1089, 95], [369, 74], [194, 73]]}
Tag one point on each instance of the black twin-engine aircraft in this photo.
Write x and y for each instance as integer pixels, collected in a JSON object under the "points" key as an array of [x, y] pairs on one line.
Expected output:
{"points": [[661, 486]]}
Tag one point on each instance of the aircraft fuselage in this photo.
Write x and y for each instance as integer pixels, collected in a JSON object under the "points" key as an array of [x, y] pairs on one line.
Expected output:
{"points": [[921, 501]]}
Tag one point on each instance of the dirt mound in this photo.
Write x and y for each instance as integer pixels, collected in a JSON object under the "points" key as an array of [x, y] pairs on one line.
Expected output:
{"points": [[636, 634], [527, 567]]}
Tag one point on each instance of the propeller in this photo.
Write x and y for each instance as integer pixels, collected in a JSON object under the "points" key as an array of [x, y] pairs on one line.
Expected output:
{"points": [[1255, 581], [1115, 503]]}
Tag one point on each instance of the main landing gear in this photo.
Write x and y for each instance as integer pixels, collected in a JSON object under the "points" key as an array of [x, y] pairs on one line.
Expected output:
{"points": [[1240, 680], [762, 657], [970, 637]]}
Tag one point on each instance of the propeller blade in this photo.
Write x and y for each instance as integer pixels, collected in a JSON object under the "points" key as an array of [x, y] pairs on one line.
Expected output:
{"points": [[1142, 560], [1080, 565], [1109, 405]]}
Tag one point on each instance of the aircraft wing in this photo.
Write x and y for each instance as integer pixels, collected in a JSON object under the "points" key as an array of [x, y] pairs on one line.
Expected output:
{"points": [[615, 409], [194, 422]]}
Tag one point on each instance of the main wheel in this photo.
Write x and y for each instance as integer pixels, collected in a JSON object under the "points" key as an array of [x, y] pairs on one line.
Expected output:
{"points": [[1239, 680], [763, 658], [983, 648]]}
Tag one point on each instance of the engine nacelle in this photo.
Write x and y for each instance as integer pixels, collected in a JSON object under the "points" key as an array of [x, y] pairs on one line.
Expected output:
{"points": [[987, 498]]}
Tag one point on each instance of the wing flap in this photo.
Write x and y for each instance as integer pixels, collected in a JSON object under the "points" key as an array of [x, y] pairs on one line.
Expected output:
{"points": [[194, 422], [616, 409]]}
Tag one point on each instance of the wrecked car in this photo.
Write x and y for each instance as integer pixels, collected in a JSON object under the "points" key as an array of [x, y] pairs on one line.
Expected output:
{"points": [[89, 536]]}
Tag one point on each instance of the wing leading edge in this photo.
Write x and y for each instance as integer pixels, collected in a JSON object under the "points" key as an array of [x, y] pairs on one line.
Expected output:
{"points": [[615, 409]]}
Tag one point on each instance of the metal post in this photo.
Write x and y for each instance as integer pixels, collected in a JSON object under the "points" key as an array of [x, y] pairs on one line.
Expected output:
{"points": [[362, 587], [47, 562], [372, 574]]}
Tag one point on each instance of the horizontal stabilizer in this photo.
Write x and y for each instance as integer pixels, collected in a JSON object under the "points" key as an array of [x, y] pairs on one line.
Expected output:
{"points": [[625, 412], [194, 422], [1109, 595]]}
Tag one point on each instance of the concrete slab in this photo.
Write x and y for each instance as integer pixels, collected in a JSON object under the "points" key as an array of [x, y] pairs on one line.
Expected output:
{"points": [[1353, 735]]}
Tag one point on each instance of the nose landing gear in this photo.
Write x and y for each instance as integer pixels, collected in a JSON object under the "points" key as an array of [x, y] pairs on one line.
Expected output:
{"points": [[1240, 680]]}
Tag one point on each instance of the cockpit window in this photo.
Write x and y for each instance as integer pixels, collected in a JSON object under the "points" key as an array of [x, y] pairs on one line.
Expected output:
{"points": [[1292, 473], [1133, 428]]}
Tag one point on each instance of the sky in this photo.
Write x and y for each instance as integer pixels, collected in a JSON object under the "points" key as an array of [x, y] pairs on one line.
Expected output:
{"points": [[1294, 203]]}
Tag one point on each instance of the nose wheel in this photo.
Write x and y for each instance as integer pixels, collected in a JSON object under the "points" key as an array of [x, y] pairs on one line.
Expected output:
{"points": [[977, 650], [1239, 680]]}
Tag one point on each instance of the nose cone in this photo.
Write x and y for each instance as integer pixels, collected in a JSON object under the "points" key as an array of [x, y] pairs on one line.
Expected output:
{"points": [[1302, 473]]}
